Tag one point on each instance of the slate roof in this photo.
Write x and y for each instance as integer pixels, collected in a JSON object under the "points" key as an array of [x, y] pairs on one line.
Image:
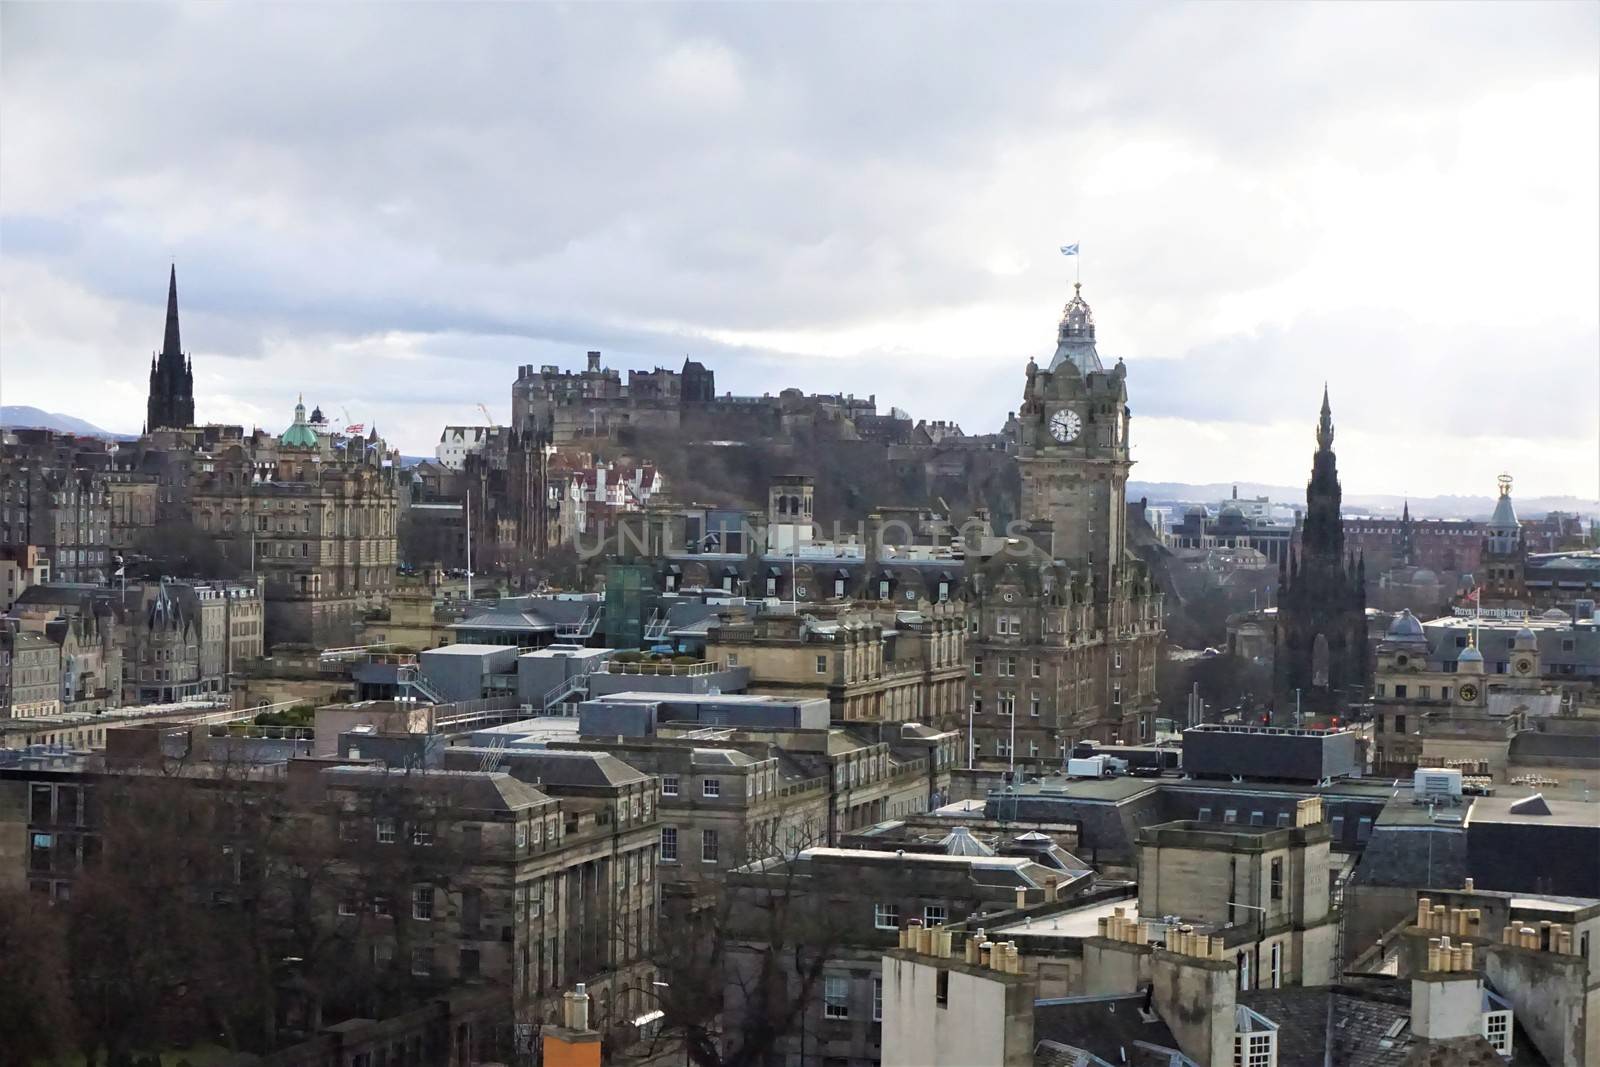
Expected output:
{"points": [[1107, 1027], [1365, 1010], [496, 791], [558, 767]]}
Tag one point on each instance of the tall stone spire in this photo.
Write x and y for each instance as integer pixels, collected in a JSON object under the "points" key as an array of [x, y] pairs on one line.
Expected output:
{"points": [[1325, 424], [171, 403], [170, 346], [1321, 627]]}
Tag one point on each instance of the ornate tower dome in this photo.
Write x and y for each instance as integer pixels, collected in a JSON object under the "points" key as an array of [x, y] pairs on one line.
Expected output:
{"points": [[299, 435], [1075, 337]]}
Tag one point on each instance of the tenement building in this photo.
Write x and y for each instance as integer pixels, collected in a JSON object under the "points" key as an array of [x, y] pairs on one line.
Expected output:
{"points": [[1321, 656], [1065, 622], [315, 514]]}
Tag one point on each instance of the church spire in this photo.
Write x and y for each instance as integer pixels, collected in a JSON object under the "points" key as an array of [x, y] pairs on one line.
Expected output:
{"points": [[171, 402], [170, 346], [1325, 423]]}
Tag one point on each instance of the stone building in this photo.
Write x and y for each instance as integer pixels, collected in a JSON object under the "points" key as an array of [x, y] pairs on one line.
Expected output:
{"points": [[30, 674], [1321, 655], [873, 664], [54, 497], [463, 875], [506, 487], [161, 653], [316, 516], [171, 401], [1064, 622], [21, 566], [722, 806], [1268, 883], [135, 498], [1505, 554], [1497, 698], [852, 906]]}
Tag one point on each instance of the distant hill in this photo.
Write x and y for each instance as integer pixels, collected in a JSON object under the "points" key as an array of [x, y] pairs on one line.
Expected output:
{"points": [[22, 417], [1431, 507]]}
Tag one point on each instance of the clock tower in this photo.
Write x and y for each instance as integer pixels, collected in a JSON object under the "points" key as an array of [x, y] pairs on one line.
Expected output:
{"points": [[1073, 451], [1065, 626]]}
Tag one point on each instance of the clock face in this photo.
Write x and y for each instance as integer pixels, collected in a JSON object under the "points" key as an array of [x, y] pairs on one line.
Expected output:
{"points": [[1524, 666], [1065, 425], [1469, 692]]}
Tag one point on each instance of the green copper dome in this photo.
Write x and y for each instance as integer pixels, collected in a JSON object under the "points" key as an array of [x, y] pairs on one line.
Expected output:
{"points": [[300, 435]]}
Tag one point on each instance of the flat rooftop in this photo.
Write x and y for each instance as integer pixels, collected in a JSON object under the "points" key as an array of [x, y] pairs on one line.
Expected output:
{"points": [[1497, 809], [1126, 787], [467, 648], [1073, 923], [636, 697]]}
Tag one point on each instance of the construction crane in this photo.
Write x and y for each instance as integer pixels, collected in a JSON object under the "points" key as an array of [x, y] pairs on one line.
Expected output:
{"points": [[488, 419]]}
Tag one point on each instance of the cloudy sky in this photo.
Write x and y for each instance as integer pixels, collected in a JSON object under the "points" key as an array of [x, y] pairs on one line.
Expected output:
{"points": [[389, 207]]}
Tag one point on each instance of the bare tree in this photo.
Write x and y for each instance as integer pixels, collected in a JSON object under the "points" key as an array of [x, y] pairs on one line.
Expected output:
{"points": [[741, 966], [36, 1013]]}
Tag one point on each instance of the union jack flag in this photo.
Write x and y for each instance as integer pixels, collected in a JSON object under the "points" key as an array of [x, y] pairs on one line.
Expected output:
{"points": [[356, 427]]}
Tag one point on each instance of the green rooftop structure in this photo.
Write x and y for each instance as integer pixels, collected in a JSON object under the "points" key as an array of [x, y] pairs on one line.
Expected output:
{"points": [[300, 435]]}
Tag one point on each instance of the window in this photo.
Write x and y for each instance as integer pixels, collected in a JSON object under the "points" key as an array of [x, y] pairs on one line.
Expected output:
{"points": [[1036, 668], [1444, 694], [772, 587], [822, 664], [1399, 724], [941, 989], [380, 906], [422, 962], [469, 963], [1425, 692], [886, 916], [710, 848], [1204, 815], [1230, 816], [1259, 1049], [385, 831], [1277, 880], [522, 835], [669, 785], [1277, 964], [1364, 828], [835, 998], [1257, 818], [977, 666], [422, 903], [1336, 827], [883, 593], [422, 834], [711, 787], [1400, 692], [877, 1000], [1497, 1031], [933, 915], [1283, 818], [733, 659], [347, 907]]}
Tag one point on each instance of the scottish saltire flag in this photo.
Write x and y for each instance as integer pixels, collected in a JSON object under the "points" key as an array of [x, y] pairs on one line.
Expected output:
{"points": [[1069, 250]]}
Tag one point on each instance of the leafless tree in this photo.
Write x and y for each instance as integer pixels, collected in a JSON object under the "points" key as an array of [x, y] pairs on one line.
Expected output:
{"points": [[36, 1016], [740, 968]]}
